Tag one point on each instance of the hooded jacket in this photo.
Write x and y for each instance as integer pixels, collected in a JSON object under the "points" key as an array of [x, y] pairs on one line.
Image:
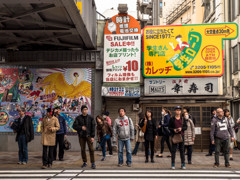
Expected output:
{"points": [[123, 128]]}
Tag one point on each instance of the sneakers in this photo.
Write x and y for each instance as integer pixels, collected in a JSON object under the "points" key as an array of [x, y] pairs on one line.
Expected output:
{"points": [[84, 165], [173, 166], [228, 166], [24, 163], [50, 166], [129, 165], [19, 162], [93, 166], [120, 165], [44, 167], [103, 159], [183, 166], [216, 165]]}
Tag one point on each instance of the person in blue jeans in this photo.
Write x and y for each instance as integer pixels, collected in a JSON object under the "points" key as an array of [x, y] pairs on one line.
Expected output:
{"points": [[104, 133], [123, 130], [25, 134]]}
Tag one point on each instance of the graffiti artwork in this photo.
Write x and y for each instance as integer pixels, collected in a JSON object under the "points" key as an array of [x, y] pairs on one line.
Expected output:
{"points": [[38, 89]]}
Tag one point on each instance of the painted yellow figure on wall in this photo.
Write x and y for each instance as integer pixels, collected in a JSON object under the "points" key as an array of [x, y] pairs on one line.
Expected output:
{"points": [[59, 85]]}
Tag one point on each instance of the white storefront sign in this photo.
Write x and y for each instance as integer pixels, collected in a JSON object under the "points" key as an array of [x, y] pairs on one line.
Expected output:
{"points": [[183, 86], [121, 91]]}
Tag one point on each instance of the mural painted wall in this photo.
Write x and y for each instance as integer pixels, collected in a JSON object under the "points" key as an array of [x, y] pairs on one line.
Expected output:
{"points": [[38, 89]]}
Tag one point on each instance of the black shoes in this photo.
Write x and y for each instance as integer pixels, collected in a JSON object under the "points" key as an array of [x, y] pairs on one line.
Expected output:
{"points": [[84, 165], [93, 166]]}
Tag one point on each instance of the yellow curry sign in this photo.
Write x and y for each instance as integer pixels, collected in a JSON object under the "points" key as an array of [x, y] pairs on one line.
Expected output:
{"points": [[185, 50]]}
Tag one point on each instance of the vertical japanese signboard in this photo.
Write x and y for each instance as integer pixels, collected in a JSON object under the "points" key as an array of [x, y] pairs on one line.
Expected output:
{"points": [[185, 50], [122, 43]]}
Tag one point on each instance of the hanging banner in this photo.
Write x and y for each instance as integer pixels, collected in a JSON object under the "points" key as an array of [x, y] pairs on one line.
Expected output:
{"points": [[183, 86], [122, 49], [39, 89], [185, 50]]}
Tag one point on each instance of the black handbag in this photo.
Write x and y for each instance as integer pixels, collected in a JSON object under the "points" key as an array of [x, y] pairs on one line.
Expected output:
{"points": [[14, 125], [67, 144]]}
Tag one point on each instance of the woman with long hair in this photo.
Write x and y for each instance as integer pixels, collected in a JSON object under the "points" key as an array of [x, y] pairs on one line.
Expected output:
{"points": [[166, 115], [150, 133], [104, 133]]}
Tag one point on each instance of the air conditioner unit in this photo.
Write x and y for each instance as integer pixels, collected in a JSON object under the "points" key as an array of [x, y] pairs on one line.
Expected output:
{"points": [[135, 107]]}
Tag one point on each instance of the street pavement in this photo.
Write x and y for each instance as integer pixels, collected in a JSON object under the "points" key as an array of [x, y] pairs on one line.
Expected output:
{"points": [[73, 160], [70, 168]]}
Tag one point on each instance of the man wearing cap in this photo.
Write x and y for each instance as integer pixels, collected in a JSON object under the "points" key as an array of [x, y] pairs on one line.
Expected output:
{"points": [[60, 135], [25, 134], [49, 127], [85, 126], [177, 126]]}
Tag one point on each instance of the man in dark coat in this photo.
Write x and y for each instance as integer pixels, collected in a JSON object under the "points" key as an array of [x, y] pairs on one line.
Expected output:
{"points": [[85, 126], [25, 134]]}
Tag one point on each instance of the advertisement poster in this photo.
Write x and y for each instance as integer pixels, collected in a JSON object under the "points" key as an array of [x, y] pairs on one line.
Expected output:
{"points": [[39, 89], [121, 91], [185, 50], [122, 49], [183, 86]]}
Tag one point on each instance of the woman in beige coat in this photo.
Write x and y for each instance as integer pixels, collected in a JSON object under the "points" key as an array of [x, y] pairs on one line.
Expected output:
{"points": [[189, 136], [49, 127]]}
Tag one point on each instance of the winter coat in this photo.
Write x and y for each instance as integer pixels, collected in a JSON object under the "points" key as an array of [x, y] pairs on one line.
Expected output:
{"points": [[103, 130], [27, 126], [90, 125], [62, 123], [189, 134], [232, 125], [172, 125], [220, 128], [154, 132], [123, 128], [165, 123], [138, 137], [49, 136]]}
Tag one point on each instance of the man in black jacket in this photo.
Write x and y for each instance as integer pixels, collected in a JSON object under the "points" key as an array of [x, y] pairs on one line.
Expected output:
{"points": [[85, 126], [177, 126], [25, 134]]}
